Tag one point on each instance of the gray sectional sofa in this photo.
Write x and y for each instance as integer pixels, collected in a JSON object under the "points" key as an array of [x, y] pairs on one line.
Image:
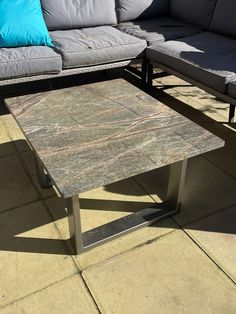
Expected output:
{"points": [[192, 39], [206, 59]]}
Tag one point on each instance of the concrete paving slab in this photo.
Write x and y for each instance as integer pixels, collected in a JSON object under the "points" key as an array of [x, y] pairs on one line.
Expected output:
{"points": [[104, 205], [207, 190], [67, 296], [216, 235], [6, 147], [15, 133], [195, 97], [16, 188], [28, 159], [225, 158], [171, 275], [32, 254]]}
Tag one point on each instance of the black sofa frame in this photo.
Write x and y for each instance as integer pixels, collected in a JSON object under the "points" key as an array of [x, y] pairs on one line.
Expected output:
{"points": [[223, 97]]}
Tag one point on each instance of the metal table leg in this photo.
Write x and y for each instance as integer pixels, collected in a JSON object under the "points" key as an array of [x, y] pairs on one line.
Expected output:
{"points": [[73, 209], [92, 238], [176, 184], [43, 177], [232, 109]]}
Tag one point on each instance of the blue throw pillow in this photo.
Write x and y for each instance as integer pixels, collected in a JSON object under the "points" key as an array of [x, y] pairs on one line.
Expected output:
{"points": [[22, 24]]}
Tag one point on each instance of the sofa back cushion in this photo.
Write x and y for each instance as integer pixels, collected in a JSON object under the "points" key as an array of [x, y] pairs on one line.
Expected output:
{"points": [[197, 12], [129, 10], [224, 21], [69, 14]]}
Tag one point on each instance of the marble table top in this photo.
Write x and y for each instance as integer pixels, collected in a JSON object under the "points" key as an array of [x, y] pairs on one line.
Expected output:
{"points": [[92, 135]]}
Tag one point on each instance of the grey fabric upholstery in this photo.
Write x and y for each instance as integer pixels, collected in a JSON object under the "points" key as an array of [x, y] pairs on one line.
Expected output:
{"points": [[158, 30], [197, 12], [232, 89], [224, 21], [207, 57], [69, 14], [28, 61], [96, 45], [129, 10]]}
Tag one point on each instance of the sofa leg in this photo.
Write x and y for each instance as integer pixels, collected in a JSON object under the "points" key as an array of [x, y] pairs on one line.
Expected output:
{"points": [[144, 73], [104, 73], [232, 113], [149, 74], [2, 102], [50, 84]]}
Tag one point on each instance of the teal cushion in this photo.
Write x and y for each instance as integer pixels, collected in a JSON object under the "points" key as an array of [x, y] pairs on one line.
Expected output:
{"points": [[22, 24]]}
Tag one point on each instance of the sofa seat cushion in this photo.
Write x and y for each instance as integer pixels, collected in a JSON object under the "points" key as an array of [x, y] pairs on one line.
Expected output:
{"points": [[207, 58], [232, 89], [158, 30], [97, 45], [28, 61]]}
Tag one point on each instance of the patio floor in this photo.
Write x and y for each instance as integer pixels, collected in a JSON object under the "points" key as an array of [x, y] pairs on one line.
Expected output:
{"points": [[186, 264]]}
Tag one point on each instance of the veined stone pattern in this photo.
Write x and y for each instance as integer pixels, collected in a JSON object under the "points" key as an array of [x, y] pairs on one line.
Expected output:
{"points": [[92, 135]]}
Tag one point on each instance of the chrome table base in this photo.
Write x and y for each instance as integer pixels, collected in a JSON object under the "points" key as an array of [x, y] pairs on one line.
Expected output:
{"points": [[92, 238]]}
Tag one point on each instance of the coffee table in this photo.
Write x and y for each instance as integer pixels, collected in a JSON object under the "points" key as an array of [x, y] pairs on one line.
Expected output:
{"points": [[92, 135]]}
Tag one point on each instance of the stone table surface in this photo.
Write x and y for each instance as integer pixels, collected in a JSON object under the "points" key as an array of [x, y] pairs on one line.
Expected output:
{"points": [[96, 134]]}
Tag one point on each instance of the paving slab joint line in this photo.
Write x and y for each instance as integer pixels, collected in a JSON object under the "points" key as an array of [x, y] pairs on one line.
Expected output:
{"points": [[149, 242], [92, 296], [78, 271], [44, 203], [24, 204], [61, 236], [67, 248], [136, 247], [19, 154], [144, 189], [90, 293], [37, 291], [31, 179], [8, 155], [218, 266], [191, 97], [220, 167], [202, 217], [40, 198], [199, 103], [181, 94], [73, 260], [13, 141]]}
